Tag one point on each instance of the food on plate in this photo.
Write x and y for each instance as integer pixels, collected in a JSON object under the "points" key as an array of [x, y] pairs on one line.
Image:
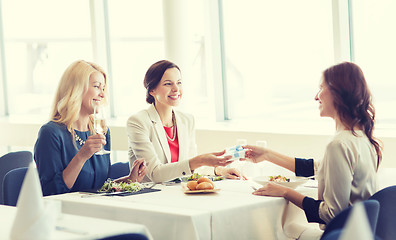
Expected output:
{"points": [[202, 183], [279, 178], [287, 181], [204, 179], [192, 185], [195, 176], [205, 186], [110, 186], [217, 178]]}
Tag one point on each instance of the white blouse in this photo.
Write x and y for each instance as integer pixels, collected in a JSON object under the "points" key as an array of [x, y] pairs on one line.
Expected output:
{"points": [[347, 173]]}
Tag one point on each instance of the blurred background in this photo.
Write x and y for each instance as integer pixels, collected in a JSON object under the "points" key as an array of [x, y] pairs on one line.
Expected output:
{"points": [[248, 66]]}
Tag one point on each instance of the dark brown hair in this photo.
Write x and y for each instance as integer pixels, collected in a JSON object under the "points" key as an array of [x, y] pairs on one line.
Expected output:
{"points": [[353, 100], [153, 76]]}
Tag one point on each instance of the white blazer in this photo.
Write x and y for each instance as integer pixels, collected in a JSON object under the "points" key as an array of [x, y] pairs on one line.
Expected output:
{"points": [[147, 139]]}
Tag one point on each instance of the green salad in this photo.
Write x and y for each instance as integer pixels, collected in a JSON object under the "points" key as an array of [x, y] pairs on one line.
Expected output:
{"points": [[110, 186], [279, 178], [196, 176], [217, 178]]}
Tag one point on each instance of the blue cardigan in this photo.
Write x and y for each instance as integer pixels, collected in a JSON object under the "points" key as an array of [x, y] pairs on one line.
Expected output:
{"points": [[53, 151]]}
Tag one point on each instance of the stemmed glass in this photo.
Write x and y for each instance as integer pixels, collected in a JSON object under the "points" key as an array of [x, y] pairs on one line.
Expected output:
{"points": [[264, 165], [99, 119]]}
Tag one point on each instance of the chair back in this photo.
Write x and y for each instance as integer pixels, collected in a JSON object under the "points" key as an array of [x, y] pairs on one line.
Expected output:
{"points": [[12, 185], [372, 208], [336, 234], [11, 161], [118, 170], [126, 236], [386, 227]]}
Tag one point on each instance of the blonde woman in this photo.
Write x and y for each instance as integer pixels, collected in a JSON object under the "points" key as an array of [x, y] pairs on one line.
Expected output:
{"points": [[65, 147], [164, 136]]}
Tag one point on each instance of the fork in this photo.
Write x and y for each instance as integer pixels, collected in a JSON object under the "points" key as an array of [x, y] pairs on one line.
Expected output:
{"points": [[100, 194], [149, 185], [253, 185]]}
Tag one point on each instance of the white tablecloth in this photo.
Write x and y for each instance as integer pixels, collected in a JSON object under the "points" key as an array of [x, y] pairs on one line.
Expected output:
{"points": [[75, 227], [231, 213]]}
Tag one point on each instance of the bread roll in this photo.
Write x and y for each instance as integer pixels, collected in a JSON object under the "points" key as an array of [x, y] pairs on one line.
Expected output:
{"points": [[204, 179], [192, 185], [205, 186]]}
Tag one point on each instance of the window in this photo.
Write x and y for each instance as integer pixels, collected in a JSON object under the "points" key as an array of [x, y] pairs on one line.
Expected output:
{"points": [[374, 37], [137, 41], [41, 39], [275, 53], [136, 37]]}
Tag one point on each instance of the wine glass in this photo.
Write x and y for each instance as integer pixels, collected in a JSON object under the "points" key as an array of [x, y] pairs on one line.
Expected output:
{"points": [[261, 143], [263, 166], [241, 142], [99, 119]]}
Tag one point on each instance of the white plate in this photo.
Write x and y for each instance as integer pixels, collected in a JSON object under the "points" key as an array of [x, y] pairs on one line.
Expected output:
{"points": [[294, 181], [201, 191], [186, 190]]}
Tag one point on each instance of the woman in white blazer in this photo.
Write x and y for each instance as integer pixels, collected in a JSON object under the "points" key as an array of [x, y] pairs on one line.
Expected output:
{"points": [[164, 137]]}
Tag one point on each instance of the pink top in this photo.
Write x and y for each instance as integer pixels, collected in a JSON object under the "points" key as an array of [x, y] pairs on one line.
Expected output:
{"points": [[173, 145]]}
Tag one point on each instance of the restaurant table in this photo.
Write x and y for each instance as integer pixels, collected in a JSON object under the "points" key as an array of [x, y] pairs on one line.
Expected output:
{"points": [[230, 213], [74, 226]]}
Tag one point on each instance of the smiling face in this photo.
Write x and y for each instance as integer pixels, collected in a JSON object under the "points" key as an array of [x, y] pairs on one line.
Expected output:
{"points": [[326, 103], [169, 90], [94, 94]]}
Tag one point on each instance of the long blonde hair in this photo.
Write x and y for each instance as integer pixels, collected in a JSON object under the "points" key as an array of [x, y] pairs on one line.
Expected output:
{"points": [[71, 90]]}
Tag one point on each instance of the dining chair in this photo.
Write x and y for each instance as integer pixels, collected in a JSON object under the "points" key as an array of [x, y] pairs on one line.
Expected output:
{"points": [[336, 234], [337, 223], [118, 169], [12, 185], [126, 236], [11, 161], [386, 226]]}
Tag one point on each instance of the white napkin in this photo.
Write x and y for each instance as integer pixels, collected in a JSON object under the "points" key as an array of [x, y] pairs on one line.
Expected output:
{"points": [[357, 225], [33, 219]]}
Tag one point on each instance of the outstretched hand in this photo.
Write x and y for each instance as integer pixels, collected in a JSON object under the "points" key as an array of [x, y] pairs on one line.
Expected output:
{"points": [[215, 159], [254, 154]]}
